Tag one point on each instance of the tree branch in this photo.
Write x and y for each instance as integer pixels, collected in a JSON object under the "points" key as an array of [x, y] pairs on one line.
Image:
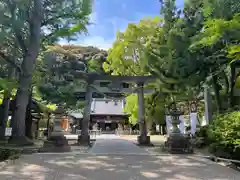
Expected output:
{"points": [[16, 30], [10, 61], [47, 21], [20, 41]]}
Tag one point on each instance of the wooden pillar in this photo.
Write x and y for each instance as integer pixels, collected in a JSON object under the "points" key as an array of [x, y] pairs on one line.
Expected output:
{"points": [[85, 138]]}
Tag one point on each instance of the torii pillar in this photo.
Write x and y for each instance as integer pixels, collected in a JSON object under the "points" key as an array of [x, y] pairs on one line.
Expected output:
{"points": [[142, 139], [84, 138]]}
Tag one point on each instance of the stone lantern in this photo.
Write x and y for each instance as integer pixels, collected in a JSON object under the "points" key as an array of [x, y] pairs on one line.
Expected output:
{"points": [[175, 113], [57, 142], [59, 115], [176, 141]]}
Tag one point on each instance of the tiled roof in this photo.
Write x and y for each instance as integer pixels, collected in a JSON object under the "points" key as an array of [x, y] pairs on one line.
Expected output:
{"points": [[104, 106], [77, 115], [107, 106]]}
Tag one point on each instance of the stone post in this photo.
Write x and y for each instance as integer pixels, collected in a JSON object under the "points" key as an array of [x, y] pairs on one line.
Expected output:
{"points": [[207, 104], [143, 139], [84, 138]]}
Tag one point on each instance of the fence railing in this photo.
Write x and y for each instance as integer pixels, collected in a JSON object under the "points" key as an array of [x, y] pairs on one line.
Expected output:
{"points": [[128, 132], [92, 133]]}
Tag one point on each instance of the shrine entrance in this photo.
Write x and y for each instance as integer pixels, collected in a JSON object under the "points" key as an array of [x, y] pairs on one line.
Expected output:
{"points": [[113, 87], [107, 126]]}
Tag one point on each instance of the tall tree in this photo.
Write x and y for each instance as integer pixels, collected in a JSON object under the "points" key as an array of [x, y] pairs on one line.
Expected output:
{"points": [[31, 24], [63, 71], [127, 57]]}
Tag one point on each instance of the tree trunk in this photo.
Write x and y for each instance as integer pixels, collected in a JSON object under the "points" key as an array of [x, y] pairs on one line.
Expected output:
{"points": [[28, 120], [28, 66], [4, 112], [232, 85], [217, 93], [86, 116], [153, 128], [48, 126], [163, 127]]}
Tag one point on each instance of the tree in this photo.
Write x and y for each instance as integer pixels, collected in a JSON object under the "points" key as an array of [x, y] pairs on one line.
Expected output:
{"points": [[124, 58], [131, 108], [175, 53], [31, 25], [216, 40], [7, 85], [63, 71]]}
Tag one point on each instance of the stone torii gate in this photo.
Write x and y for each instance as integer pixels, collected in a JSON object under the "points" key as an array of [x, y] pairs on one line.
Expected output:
{"points": [[114, 85]]}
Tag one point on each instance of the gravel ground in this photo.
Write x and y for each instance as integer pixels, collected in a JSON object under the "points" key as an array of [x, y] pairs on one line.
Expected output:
{"points": [[104, 164], [114, 158]]}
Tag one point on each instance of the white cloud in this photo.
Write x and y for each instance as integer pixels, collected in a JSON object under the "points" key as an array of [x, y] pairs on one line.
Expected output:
{"points": [[119, 24], [93, 17], [96, 41]]}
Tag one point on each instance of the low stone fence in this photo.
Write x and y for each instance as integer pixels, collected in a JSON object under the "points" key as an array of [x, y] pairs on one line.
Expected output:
{"points": [[128, 132], [92, 133]]}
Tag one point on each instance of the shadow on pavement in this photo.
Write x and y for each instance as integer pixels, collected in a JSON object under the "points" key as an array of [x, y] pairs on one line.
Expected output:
{"points": [[115, 167]]}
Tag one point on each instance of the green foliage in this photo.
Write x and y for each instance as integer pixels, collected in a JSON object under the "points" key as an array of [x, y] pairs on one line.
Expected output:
{"points": [[6, 154], [131, 108], [63, 71], [55, 24], [126, 55], [6, 84], [68, 23], [224, 133], [220, 9], [226, 31]]}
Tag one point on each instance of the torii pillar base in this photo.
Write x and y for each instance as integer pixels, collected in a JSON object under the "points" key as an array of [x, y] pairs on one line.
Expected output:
{"points": [[144, 140], [84, 140]]}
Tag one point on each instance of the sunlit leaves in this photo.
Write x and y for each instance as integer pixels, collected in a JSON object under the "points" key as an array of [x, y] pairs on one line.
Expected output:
{"points": [[127, 54], [69, 23], [234, 52], [131, 108], [6, 84], [64, 71], [221, 31]]}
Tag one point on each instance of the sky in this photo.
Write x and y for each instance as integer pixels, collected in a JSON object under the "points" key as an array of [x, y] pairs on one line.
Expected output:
{"points": [[110, 16]]}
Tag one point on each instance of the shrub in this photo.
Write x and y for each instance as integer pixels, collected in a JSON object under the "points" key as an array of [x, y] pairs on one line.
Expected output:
{"points": [[9, 154], [201, 137], [224, 134], [202, 131]]}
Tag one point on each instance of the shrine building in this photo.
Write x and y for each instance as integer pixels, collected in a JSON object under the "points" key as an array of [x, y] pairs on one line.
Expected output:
{"points": [[108, 114]]}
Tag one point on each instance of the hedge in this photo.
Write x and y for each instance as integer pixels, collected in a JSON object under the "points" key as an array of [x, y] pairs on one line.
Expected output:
{"points": [[224, 135]]}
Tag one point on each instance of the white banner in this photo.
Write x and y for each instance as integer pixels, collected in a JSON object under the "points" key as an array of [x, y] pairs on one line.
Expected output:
{"points": [[182, 124], [8, 131], [193, 120], [204, 121], [168, 123]]}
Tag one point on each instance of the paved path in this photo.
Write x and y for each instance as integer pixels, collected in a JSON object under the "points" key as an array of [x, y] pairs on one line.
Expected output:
{"points": [[113, 144], [119, 166]]}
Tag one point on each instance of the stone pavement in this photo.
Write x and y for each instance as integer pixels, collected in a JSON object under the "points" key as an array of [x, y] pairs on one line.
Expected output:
{"points": [[124, 161], [113, 144]]}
